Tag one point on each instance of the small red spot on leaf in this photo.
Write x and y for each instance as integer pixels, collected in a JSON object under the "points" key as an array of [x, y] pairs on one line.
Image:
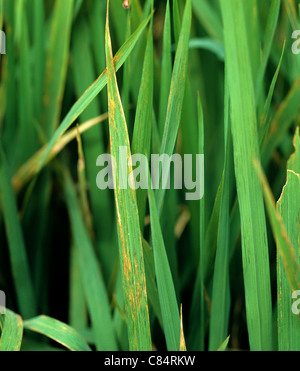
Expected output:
{"points": [[126, 4]]}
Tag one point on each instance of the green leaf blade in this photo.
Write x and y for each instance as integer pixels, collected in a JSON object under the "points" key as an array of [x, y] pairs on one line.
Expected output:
{"points": [[130, 242], [93, 285], [57, 331], [12, 332], [245, 143], [166, 291]]}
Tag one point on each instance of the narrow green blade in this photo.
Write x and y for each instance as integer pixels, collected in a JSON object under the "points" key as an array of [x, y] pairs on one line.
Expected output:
{"points": [[284, 245], [289, 208], [57, 331], [224, 345], [166, 291], [219, 319], [91, 93], [130, 242], [166, 70], [245, 144], [57, 63], [12, 332], [176, 95], [141, 141], [92, 280], [17, 249], [27, 171], [209, 18]]}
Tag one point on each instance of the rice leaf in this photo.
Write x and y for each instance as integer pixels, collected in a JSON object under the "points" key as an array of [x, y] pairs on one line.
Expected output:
{"points": [[209, 18], [284, 245], [288, 322], [92, 280], [130, 242], [176, 95], [78, 316], [91, 93], [224, 345], [182, 339], [166, 291], [81, 169], [289, 209], [220, 309], [12, 332], [210, 44], [166, 70], [57, 63], [39, 56], [57, 331], [292, 13], [17, 250], [93, 145], [27, 171], [151, 280], [245, 143], [141, 141], [26, 130], [287, 112], [202, 268], [268, 39], [265, 121]]}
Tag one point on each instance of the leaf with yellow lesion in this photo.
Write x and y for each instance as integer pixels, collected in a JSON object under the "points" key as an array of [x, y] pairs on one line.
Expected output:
{"points": [[130, 241], [288, 207]]}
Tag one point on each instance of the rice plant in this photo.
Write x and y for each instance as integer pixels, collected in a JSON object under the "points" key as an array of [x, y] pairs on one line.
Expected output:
{"points": [[97, 253]]}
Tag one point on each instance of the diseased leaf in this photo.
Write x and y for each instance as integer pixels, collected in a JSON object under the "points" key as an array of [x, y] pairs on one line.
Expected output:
{"points": [[12, 332], [130, 241], [91, 93], [57, 331], [29, 168], [289, 208], [284, 245], [224, 345]]}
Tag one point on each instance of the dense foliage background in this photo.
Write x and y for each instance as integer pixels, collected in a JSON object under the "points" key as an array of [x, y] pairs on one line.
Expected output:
{"points": [[201, 76]]}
